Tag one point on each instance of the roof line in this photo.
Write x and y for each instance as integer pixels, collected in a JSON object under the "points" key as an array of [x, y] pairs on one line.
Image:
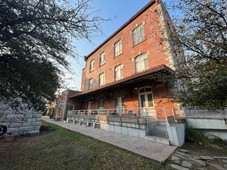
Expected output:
{"points": [[133, 76], [122, 27]]}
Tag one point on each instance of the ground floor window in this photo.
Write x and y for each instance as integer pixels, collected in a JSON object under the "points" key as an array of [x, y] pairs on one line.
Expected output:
{"points": [[101, 103], [119, 104]]}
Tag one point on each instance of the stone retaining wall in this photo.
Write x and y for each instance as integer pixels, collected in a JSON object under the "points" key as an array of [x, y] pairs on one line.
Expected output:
{"points": [[22, 122]]}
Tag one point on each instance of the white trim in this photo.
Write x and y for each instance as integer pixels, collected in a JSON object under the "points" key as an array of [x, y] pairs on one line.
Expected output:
{"points": [[145, 93]]}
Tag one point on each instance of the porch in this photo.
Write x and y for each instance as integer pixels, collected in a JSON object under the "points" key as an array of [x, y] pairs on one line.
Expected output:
{"points": [[137, 122]]}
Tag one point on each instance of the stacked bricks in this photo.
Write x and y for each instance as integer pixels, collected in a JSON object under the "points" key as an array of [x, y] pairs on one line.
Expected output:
{"points": [[23, 122]]}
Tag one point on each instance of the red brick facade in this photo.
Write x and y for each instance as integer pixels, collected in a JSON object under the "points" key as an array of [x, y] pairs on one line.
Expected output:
{"points": [[153, 45], [155, 50]]}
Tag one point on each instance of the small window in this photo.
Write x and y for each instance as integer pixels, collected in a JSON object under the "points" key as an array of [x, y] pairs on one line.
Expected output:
{"points": [[138, 34], [117, 48], [91, 83], [102, 58], [118, 72], [141, 63], [101, 103], [92, 63], [101, 79]]}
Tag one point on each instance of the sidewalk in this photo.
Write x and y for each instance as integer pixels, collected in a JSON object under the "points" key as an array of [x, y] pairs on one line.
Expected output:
{"points": [[143, 147]]}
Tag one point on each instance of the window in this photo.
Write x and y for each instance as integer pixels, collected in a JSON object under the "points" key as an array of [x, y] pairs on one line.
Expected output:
{"points": [[138, 34], [91, 83], [117, 48], [101, 103], [92, 65], [118, 72], [102, 59], [119, 104], [146, 97], [119, 101], [141, 62], [101, 79]]}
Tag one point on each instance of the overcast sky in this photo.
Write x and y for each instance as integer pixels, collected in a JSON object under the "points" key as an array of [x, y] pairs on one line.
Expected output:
{"points": [[119, 11]]}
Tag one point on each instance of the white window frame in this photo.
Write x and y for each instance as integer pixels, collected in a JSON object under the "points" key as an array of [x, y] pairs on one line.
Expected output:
{"points": [[92, 65], [138, 34], [117, 48], [102, 59], [118, 72], [146, 93], [101, 79], [141, 63]]}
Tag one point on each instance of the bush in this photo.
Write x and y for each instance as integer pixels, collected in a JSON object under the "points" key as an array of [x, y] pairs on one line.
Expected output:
{"points": [[194, 135]]}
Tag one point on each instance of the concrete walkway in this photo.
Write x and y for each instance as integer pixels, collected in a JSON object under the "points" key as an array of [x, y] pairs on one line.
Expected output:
{"points": [[143, 147]]}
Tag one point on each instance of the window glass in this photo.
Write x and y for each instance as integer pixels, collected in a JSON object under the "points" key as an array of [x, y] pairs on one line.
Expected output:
{"points": [[118, 72], [150, 100], [117, 48], [142, 98], [138, 34], [101, 79], [91, 83], [141, 63], [102, 59], [92, 65], [101, 103]]}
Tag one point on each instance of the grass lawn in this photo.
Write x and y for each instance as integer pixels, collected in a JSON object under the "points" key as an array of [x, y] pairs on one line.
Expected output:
{"points": [[58, 148]]}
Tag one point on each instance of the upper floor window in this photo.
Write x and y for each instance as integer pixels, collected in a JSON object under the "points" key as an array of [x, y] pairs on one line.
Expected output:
{"points": [[102, 58], [91, 83], [141, 62], [92, 63], [138, 34], [101, 79], [118, 72], [117, 48]]}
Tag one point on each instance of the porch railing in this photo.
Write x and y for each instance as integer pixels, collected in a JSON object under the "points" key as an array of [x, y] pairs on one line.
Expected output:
{"points": [[130, 115]]}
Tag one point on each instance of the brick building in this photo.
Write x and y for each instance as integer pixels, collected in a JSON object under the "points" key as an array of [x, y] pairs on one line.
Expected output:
{"points": [[124, 73], [64, 103]]}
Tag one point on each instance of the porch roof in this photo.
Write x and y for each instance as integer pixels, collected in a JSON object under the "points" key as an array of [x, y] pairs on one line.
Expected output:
{"points": [[160, 69]]}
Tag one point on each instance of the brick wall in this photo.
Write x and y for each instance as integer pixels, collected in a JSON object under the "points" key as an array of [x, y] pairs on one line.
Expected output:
{"points": [[21, 122], [153, 45]]}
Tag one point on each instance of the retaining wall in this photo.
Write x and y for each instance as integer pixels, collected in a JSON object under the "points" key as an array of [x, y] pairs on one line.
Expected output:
{"points": [[20, 122]]}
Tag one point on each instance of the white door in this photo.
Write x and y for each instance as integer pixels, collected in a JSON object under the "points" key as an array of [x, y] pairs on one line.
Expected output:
{"points": [[146, 102]]}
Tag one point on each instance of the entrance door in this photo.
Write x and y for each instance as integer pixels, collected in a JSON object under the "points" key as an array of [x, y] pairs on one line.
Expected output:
{"points": [[146, 102]]}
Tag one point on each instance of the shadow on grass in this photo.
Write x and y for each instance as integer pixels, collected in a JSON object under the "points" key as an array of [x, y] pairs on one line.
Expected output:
{"points": [[59, 148]]}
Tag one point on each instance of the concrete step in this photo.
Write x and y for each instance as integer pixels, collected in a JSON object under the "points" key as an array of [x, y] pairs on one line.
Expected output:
{"points": [[158, 129], [157, 139]]}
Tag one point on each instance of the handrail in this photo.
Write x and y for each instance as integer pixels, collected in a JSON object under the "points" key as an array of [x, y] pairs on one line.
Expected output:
{"points": [[150, 114]]}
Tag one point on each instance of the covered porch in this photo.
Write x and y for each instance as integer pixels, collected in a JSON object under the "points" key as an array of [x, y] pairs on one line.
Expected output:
{"points": [[129, 122], [139, 106], [142, 94]]}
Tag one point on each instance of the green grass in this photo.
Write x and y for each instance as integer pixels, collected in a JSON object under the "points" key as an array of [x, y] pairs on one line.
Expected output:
{"points": [[58, 148]]}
